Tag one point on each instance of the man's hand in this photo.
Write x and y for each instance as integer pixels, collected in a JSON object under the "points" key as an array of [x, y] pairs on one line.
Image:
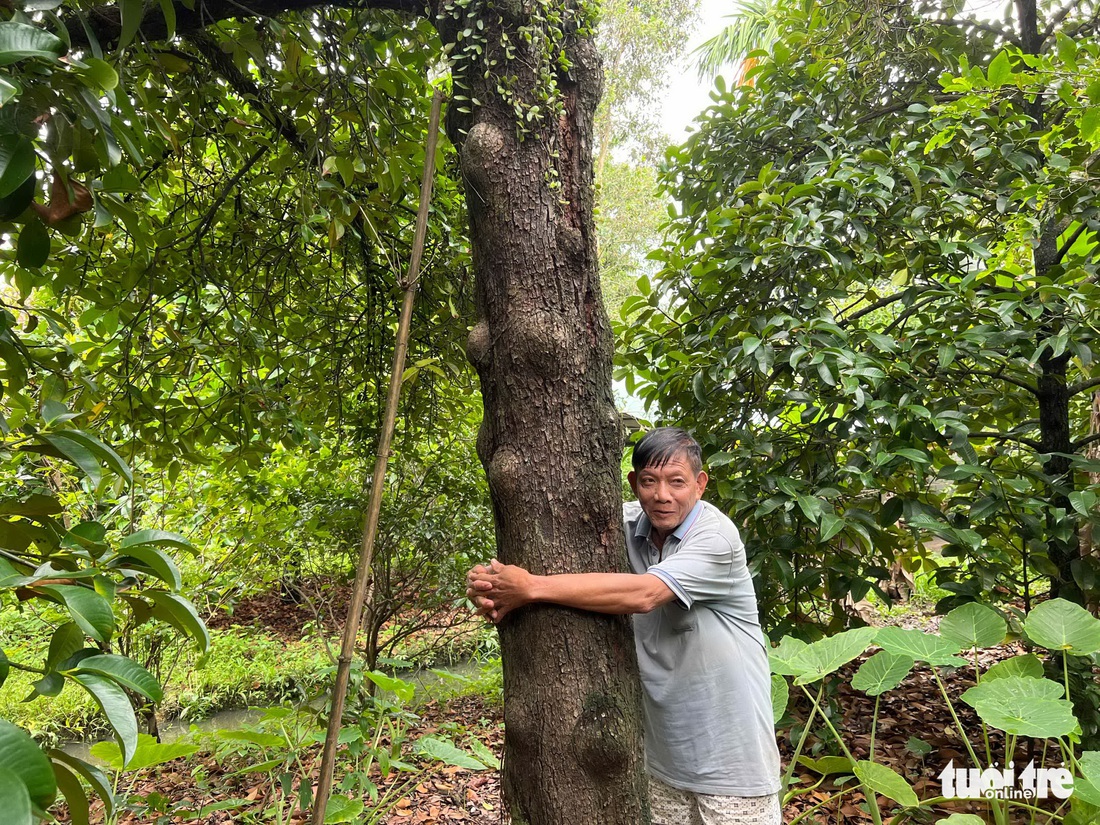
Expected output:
{"points": [[498, 589]]}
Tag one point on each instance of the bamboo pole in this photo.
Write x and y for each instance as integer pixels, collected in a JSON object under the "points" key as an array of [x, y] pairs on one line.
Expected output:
{"points": [[385, 437]]}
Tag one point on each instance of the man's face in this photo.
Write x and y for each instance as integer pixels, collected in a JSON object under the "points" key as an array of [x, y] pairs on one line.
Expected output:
{"points": [[668, 493]]}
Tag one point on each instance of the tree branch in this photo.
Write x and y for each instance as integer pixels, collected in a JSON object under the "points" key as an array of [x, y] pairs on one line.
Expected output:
{"points": [[1035, 445], [1057, 18], [105, 22], [1081, 386], [1069, 243], [1084, 442]]}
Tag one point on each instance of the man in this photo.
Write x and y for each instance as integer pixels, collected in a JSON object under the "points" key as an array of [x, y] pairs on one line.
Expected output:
{"points": [[710, 740]]}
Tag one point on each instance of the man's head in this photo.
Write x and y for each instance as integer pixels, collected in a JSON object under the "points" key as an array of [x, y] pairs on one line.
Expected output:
{"points": [[668, 477]]}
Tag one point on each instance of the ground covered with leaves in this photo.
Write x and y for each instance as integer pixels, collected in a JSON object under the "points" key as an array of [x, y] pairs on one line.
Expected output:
{"points": [[915, 736]]}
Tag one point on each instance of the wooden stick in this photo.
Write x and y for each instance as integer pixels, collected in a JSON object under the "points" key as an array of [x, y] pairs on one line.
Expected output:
{"points": [[370, 525]]}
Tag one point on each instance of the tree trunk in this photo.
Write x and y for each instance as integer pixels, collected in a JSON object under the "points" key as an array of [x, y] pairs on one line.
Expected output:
{"points": [[550, 441]]}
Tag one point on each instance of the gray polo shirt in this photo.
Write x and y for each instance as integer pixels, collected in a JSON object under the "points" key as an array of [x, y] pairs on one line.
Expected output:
{"points": [[703, 660]]}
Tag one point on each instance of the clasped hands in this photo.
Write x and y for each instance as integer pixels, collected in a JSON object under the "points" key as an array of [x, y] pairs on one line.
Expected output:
{"points": [[497, 589]]}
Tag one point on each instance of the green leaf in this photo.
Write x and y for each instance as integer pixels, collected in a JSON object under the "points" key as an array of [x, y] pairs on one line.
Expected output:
{"points": [[401, 689], [157, 537], [91, 774], [148, 753], [919, 646], [885, 782], [961, 819], [14, 799], [882, 672], [17, 161], [19, 41], [67, 639], [1022, 706], [101, 73], [342, 809], [1027, 665], [827, 655], [75, 797], [32, 249], [116, 707], [1061, 625], [154, 560], [5, 668], [486, 756], [827, 765], [781, 695], [132, 13], [973, 625], [126, 672], [1087, 786], [918, 747], [254, 737], [782, 656], [447, 753], [78, 454], [1000, 70], [108, 457], [89, 609], [22, 758], [830, 526], [181, 614]]}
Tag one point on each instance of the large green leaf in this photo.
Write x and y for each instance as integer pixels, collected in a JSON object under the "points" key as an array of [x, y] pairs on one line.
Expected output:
{"points": [[89, 609], [75, 796], [961, 819], [91, 774], [1061, 625], [181, 614], [116, 707], [20, 756], [32, 248], [1020, 686], [919, 646], [126, 672], [884, 781], [1087, 786], [882, 672], [973, 625], [399, 687], [1028, 666], [152, 559], [77, 453], [108, 456], [342, 809], [19, 41], [446, 752], [827, 765], [781, 657], [781, 695], [157, 537], [148, 753], [17, 159], [827, 655], [67, 639], [14, 799], [1022, 706]]}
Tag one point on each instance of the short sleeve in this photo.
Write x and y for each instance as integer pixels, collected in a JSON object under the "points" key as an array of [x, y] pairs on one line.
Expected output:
{"points": [[701, 571]]}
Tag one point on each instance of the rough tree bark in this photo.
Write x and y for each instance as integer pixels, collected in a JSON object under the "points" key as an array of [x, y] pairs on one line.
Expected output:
{"points": [[551, 444], [551, 441]]}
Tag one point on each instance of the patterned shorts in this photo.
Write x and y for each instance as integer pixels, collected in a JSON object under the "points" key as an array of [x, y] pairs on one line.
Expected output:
{"points": [[671, 806]]}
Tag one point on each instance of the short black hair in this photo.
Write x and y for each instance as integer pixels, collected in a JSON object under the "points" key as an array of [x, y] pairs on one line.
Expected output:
{"points": [[660, 446]]}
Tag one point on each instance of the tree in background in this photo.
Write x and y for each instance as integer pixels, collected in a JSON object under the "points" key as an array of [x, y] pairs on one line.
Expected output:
{"points": [[878, 305]]}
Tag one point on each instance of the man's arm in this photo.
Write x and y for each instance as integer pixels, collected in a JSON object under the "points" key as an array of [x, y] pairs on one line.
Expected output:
{"points": [[501, 588]]}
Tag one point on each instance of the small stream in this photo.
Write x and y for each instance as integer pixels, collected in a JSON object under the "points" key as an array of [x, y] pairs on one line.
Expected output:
{"points": [[425, 680]]}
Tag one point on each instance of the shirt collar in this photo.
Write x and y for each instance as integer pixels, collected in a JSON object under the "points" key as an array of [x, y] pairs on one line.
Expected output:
{"points": [[686, 524], [644, 527]]}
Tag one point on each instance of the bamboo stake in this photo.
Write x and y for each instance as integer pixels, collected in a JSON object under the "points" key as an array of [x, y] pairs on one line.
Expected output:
{"points": [[370, 524]]}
